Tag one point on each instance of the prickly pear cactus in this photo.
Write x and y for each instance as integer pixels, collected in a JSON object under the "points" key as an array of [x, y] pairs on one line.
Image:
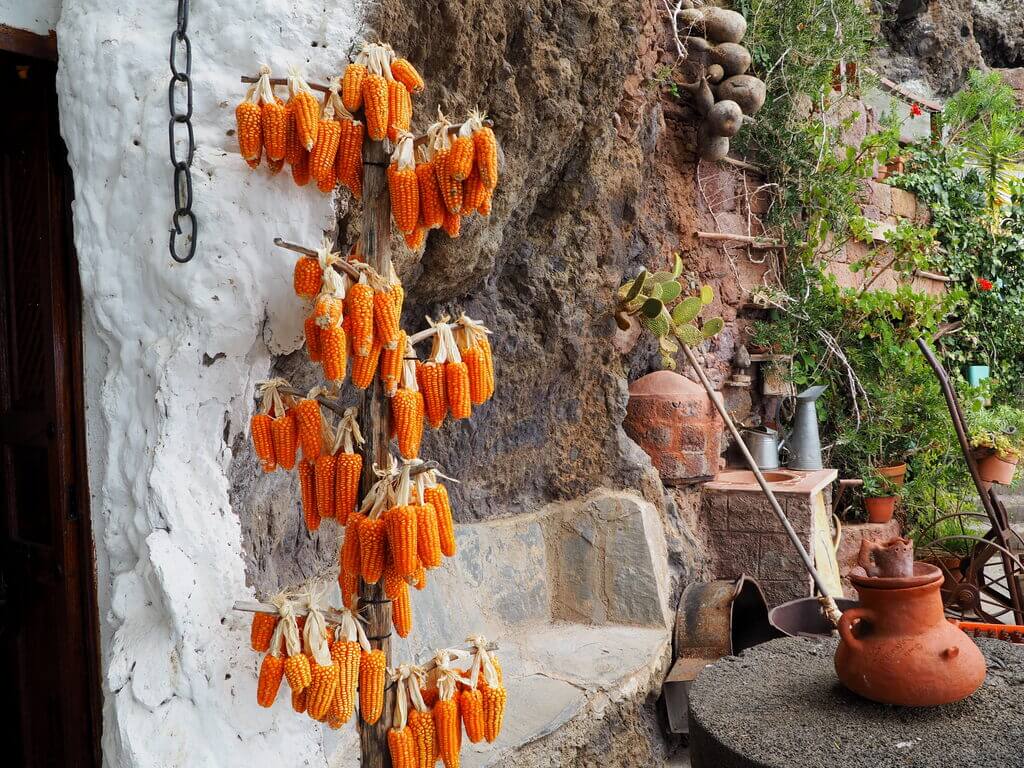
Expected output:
{"points": [[656, 301]]}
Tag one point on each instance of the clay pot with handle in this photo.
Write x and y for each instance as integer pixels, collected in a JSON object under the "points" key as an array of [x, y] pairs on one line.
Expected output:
{"points": [[896, 647]]}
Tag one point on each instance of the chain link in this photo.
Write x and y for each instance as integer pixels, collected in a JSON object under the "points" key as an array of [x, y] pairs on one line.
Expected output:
{"points": [[179, 131]]}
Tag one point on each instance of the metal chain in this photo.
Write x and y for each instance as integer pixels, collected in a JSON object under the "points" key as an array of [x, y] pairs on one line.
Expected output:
{"points": [[181, 78]]}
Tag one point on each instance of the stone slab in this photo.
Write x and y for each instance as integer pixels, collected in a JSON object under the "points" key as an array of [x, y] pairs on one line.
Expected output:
{"points": [[780, 705]]}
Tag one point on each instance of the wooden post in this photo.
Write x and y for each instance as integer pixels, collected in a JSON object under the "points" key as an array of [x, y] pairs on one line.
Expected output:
{"points": [[374, 416]]}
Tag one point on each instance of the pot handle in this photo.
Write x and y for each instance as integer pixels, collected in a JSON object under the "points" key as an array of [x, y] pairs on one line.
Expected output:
{"points": [[846, 622]]}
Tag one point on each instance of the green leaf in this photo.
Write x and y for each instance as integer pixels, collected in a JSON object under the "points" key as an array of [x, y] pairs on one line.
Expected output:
{"points": [[670, 291], [654, 290], [662, 277], [687, 310], [658, 325], [652, 308], [689, 334], [668, 363], [713, 327], [636, 286], [677, 267], [707, 294], [667, 346]]}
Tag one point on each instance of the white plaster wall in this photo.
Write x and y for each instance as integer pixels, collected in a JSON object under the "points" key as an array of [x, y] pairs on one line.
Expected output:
{"points": [[178, 677], [39, 16]]}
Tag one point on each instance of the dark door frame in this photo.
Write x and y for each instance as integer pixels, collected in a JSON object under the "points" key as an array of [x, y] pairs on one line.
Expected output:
{"points": [[44, 48]]}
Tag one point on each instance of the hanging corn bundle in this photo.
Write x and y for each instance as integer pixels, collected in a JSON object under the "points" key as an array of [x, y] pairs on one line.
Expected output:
{"points": [[407, 409], [476, 353], [348, 466]]}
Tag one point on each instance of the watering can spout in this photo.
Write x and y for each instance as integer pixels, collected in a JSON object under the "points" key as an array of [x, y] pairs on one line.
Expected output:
{"points": [[804, 440]]}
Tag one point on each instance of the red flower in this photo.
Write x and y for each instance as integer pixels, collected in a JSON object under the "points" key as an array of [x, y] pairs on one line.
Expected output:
{"points": [[915, 110], [984, 284]]}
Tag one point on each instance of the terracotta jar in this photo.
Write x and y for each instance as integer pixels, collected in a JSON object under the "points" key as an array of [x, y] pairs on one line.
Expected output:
{"points": [[880, 508], [896, 647], [996, 468]]}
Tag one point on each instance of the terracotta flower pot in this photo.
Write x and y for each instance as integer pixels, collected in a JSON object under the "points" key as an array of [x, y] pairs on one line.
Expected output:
{"points": [[880, 508], [896, 647], [998, 468], [895, 473]]}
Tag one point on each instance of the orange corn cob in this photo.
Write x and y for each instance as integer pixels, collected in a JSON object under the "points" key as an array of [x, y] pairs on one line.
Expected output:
{"points": [[375, 106], [497, 668], [422, 726], [307, 277], [431, 380], [397, 591], [451, 189], [485, 147], [414, 240], [428, 537], [300, 169], [328, 182], [345, 654], [363, 368], [275, 166], [432, 207], [328, 310], [298, 672], [401, 534], [349, 162], [456, 386], [250, 136], [254, 162], [402, 747], [405, 73], [359, 306], [285, 432], [321, 156], [449, 731], [312, 333], [371, 549], [407, 418], [494, 699], [438, 498], [391, 365], [352, 86], [473, 191], [324, 475], [292, 149], [485, 347], [262, 441], [420, 578], [385, 319], [275, 123], [405, 197], [471, 707], [271, 673], [307, 414], [262, 630], [372, 668], [429, 696], [460, 161], [452, 224], [399, 110], [299, 701], [476, 366], [349, 556], [347, 468], [307, 484], [485, 206], [334, 350], [322, 687], [307, 118]]}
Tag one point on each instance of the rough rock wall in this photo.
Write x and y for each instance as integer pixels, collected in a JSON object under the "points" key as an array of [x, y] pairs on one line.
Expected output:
{"points": [[172, 355]]}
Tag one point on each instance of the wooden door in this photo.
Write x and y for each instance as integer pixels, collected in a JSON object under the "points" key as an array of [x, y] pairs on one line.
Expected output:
{"points": [[48, 622]]}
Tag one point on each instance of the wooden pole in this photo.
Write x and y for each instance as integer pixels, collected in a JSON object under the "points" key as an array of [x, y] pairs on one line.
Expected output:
{"points": [[374, 417]]}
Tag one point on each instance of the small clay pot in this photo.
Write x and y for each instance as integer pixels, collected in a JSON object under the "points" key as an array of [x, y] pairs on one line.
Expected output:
{"points": [[896, 647], [997, 468], [895, 474], [880, 508]]}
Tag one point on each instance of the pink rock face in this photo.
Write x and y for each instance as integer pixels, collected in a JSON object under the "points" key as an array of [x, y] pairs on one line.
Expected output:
{"points": [[676, 424]]}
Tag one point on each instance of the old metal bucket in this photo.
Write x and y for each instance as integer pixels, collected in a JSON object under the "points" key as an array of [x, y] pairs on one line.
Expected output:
{"points": [[804, 440], [763, 444]]}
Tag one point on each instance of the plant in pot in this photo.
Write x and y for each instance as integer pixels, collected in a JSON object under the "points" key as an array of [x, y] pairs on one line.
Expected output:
{"points": [[880, 496], [997, 436]]}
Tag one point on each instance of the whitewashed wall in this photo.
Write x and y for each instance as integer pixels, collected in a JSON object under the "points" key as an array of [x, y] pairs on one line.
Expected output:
{"points": [[172, 354], [39, 16]]}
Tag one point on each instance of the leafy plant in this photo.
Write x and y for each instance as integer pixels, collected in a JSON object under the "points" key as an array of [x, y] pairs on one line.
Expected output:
{"points": [[1000, 428], [876, 486], [657, 301]]}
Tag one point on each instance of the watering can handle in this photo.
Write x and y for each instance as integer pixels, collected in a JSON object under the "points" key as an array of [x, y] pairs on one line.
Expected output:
{"points": [[838, 536], [846, 622]]}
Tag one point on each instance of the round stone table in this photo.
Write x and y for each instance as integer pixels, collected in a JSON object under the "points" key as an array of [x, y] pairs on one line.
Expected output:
{"points": [[780, 705]]}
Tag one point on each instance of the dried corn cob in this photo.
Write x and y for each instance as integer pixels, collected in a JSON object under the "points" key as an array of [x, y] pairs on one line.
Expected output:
{"points": [[485, 147], [460, 161], [349, 557], [429, 696], [476, 365], [328, 136], [407, 415], [285, 432], [249, 129], [397, 591], [307, 277], [254, 162], [363, 368], [401, 537], [414, 240], [307, 111], [451, 189], [403, 186], [375, 97], [437, 496], [345, 654], [275, 123], [473, 191], [334, 350], [312, 334], [359, 307], [300, 169], [262, 630], [262, 441], [372, 669], [292, 148], [352, 84], [328, 310], [421, 723], [348, 467], [391, 363], [494, 698], [456, 377], [402, 747], [297, 671], [431, 380], [274, 166], [432, 207], [348, 584], [371, 549], [328, 182], [310, 422], [324, 475], [452, 225], [322, 687], [419, 578], [349, 162], [307, 485], [299, 701], [471, 708], [405, 73], [428, 537], [271, 674], [447, 724]]}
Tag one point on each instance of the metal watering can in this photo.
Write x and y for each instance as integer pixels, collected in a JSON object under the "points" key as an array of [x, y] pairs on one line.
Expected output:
{"points": [[804, 440], [764, 445]]}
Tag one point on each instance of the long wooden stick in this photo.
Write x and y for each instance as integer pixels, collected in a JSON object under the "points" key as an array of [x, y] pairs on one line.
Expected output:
{"points": [[759, 243], [831, 610]]}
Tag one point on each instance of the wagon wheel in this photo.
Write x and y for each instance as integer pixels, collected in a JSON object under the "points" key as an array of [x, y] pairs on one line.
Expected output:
{"points": [[978, 585]]}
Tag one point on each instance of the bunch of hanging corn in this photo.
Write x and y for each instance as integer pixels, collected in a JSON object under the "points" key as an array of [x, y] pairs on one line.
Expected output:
{"points": [[330, 482], [274, 427], [457, 374]]}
